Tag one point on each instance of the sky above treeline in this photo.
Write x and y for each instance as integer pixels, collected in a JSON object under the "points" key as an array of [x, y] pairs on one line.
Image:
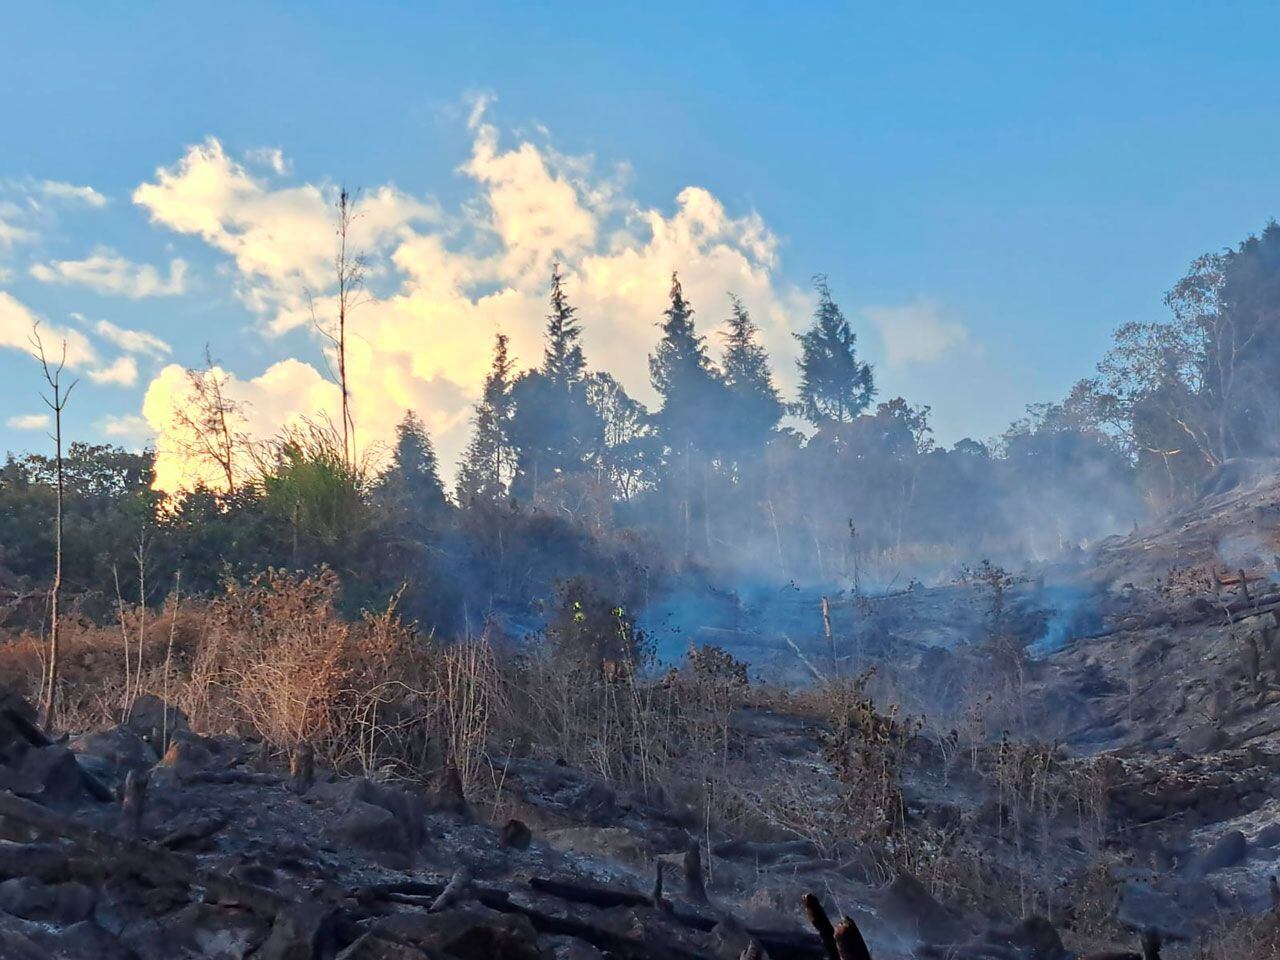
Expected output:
{"points": [[991, 189]]}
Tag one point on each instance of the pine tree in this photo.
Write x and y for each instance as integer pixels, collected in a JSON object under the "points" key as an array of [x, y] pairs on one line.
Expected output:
{"points": [[834, 385], [553, 428], [754, 406], [412, 484], [488, 461], [563, 362], [682, 374]]}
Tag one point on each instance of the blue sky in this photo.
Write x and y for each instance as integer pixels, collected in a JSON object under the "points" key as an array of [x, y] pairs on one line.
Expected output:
{"points": [[992, 188]]}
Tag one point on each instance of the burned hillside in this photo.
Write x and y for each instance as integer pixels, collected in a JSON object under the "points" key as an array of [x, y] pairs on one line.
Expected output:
{"points": [[918, 759]]}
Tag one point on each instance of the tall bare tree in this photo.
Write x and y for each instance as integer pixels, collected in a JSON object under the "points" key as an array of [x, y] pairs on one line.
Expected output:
{"points": [[56, 400], [349, 267]]}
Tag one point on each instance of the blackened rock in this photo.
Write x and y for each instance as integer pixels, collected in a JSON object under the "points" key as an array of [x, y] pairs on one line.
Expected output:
{"points": [[187, 753], [301, 932], [516, 835], [48, 775], [111, 754], [369, 826], [197, 930], [87, 939], [1205, 738], [61, 903], [44, 861], [1230, 849], [151, 718]]}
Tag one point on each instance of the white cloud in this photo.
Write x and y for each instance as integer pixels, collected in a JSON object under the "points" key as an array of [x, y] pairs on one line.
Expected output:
{"points": [[105, 271], [127, 427], [71, 193], [281, 239], [271, 157], [132, 341], [11, 234], [30, 421], [122, 372], [17, 323], [916, 332]]}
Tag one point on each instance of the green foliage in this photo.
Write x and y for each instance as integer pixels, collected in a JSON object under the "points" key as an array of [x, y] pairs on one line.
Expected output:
{"points": [[315, 490], [489, 460], [754, 406], [691, 389], [835, 386], [553, 427]]}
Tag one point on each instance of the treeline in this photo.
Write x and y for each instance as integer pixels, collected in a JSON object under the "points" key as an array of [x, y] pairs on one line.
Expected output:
{"points": [[726, 481]]}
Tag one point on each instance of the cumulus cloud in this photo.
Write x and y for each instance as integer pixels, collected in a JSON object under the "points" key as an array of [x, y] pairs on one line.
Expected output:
{"points": [[105, 271], [17, 322], [280, 238], [121, 372], [29, 421], [132, 341], [916, 333], [70, 192], [127, 427], [271, 157]]}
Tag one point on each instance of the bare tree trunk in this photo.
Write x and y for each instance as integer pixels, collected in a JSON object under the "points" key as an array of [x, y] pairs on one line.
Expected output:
{"points": [[55, 592], [349, 268], [57, 403]]}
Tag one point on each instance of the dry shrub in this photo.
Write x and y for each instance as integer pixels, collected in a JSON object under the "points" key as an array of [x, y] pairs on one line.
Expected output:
{"points": [[106, 666]]}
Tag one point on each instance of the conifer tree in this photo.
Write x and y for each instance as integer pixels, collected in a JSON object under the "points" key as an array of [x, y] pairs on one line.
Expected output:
{"points": [[835, 386], [411, 485], [488, 461], [754, 406], [553, 427], [683, 376], [563, 362]]}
